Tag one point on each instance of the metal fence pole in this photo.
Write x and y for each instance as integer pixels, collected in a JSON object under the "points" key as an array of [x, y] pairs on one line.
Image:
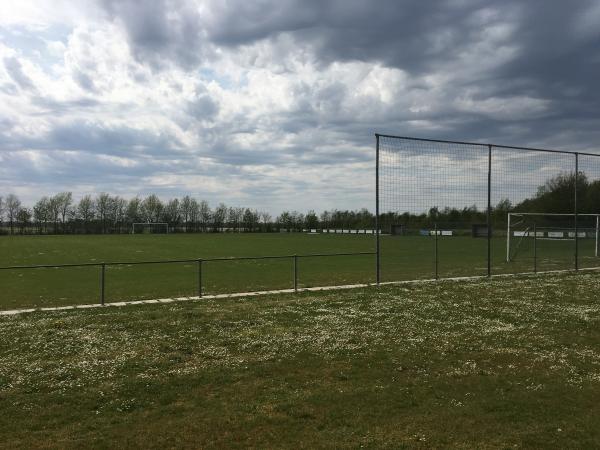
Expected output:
{"points": [[508, 239], [436, 251], [377, 256], [534, 248], [295, 257], [489, 213], [199, 278], [597, 235], [576, 212], [102, 276]]}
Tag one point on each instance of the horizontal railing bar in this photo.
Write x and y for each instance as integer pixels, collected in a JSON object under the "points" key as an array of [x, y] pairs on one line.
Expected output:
{"points": [[508, 147], [175, 261], [51, 266], [137, 263], [336, 254], [244, 258]]}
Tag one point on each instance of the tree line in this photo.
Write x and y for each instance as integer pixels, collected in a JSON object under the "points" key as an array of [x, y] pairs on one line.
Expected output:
{"points": [[104, 213]]}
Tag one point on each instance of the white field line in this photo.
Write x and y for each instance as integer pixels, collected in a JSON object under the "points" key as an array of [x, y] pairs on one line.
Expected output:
{"points": [[12, 312]]}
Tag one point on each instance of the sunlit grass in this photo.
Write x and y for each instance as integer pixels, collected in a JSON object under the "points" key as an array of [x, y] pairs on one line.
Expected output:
{"points": [[488, 364], [402, 258]]}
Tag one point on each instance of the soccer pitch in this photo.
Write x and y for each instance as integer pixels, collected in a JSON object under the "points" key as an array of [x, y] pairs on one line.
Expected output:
{"points": [[506, 363], [402, 258]]}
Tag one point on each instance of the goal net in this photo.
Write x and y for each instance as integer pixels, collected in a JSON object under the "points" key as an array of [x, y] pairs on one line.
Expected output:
{"points": [[524, 228], [150, 228]]}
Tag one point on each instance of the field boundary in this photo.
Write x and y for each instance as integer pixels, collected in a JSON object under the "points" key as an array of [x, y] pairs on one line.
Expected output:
{"points": [[13, 312]]}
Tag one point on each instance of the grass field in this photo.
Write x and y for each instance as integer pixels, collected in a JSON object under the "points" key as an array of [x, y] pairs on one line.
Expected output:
{"points": [[403, 258], [490, 364]]}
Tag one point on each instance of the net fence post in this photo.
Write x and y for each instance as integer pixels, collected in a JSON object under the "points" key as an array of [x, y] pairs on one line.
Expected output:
{"points": [[576, 212], [489, 213], [377, 251]]}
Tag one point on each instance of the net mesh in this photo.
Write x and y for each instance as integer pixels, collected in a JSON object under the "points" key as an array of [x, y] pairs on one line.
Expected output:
{"points": [[433, 201]]}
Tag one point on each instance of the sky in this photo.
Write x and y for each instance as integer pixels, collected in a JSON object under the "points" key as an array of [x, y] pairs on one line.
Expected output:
{"points": [[274, 104]]}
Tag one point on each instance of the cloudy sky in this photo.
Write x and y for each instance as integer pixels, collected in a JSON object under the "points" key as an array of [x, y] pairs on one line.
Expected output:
{"points": [[273, 104]]}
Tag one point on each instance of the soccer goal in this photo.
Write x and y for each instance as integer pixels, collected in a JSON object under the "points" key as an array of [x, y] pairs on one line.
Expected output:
{"points": [[150, 228], [523, 227]]}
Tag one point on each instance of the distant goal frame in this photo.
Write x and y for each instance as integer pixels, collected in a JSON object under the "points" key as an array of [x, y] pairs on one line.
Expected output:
{"points": [[166, 225], [541, 214]]}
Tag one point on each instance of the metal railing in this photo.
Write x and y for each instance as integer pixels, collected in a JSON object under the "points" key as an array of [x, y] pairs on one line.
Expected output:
{"points": [[198, 261]]}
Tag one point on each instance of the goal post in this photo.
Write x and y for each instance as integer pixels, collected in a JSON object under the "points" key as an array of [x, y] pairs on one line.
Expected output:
{"points": [[549, 232], [150, 227]]}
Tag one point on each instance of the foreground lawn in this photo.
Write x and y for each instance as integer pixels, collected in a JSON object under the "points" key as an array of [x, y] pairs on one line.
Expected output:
{"points": [[512, 362]]}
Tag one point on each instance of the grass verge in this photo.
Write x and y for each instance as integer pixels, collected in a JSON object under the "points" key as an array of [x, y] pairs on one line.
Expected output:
{"points": [[509, 362]]}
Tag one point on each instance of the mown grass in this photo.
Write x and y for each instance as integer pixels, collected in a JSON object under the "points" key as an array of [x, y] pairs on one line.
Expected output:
{"points": [[402, 258], [493, 364]]}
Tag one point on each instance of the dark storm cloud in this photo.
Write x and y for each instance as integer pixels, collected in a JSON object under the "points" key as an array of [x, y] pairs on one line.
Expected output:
{"points": [[161, 30], [556, 53]]}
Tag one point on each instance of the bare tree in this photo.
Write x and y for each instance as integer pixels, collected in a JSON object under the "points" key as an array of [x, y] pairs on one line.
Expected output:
{"points": [[219, 217], [86, 211], [102, 209], [118, 207], [285, 221], [1, 209], [54, 207], [250, 220], [134, 212], [297, 220], [194, 214], [65, 199], [205, 214], [171, 212], [266, 220], [311, 220], [152, 208], [41, 214], [13, 204], [23, 218], [184, 210]]}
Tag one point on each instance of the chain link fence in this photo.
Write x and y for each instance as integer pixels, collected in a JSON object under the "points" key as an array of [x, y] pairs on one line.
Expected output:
{"points": [[451, 209]]}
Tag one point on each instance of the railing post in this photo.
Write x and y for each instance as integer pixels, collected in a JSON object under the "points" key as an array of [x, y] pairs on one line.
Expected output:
{"points": [[199, 278], [102, 276], [295, 273]]}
